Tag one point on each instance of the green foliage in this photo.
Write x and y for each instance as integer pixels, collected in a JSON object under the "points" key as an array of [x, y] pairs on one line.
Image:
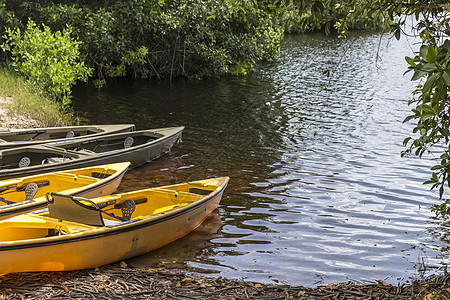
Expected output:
{"points": [[442, 210], [310, 15], [163, 39], [7, 18], [50, 61], [431, 66]]}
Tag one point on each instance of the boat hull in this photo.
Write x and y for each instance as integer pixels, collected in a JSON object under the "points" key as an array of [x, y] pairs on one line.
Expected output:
{"points": [[136, 155], [105, 245]]}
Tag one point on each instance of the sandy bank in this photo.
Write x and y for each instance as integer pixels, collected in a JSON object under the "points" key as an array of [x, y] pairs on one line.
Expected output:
{"points": [[10, 121]]}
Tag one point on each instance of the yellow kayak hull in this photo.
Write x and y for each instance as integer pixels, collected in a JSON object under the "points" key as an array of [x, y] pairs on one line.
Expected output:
{"points": [[86, 182], [170, 213]]}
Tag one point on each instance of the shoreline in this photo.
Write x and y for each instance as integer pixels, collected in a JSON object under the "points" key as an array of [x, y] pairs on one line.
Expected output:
{"points": [[117, 281], [10, 121]]}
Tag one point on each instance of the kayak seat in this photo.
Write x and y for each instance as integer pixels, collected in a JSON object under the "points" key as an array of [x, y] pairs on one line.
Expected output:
{"points": [[24, 162], [127, 208], [31, 190], [70, 134], [128, 142], [69, 208]]}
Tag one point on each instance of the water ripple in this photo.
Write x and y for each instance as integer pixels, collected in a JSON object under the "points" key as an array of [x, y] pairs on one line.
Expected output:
{"points": [[318, 190]]}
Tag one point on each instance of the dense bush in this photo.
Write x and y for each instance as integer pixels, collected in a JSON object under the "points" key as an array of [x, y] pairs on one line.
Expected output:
{"points": [[164, 39], [300, 16], [49, 61]]}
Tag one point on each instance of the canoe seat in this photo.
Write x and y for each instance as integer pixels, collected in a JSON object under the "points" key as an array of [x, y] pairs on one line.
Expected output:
{"points": [[69, 208], [31, 190], [128, 142], [127, 208], [24, 162], [70, 134]]}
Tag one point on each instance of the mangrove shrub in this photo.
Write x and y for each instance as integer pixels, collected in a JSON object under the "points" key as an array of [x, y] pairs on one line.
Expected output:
{"points": [[50, 61], [163, 39]]}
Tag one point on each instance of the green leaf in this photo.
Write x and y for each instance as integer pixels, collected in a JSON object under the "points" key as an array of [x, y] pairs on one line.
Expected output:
{"points": [[431, 55], [430, 83], [429, 67], [408, 118], [410, 61], [423, 51], [445, 132], [446, 77], [397, 34], [447, 43], [434, 177], [418, 74], [405, 141]]}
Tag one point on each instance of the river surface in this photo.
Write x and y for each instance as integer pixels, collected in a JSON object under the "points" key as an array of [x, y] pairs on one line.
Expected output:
{"points": [[318, 190]]}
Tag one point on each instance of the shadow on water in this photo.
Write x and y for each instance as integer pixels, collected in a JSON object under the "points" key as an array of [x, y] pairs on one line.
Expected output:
{"points": [[318, 191], [185, 249]]}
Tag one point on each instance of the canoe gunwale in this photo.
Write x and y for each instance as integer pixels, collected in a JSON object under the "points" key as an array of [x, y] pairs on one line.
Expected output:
{"points": [[22, 208], [98, 130]]}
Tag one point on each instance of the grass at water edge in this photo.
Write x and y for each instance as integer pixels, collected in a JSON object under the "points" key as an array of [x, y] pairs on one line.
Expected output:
{"points": [[21, 101]]}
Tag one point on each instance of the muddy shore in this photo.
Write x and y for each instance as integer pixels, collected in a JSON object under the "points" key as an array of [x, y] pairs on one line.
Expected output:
{"points": [[117, 281]]}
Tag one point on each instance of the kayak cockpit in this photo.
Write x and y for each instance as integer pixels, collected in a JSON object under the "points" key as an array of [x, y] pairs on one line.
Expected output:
{"points": [[120, 208], [114, 209]]}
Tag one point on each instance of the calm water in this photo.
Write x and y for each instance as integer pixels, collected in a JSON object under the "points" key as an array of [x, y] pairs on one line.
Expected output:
{"points": [[318, 190]]}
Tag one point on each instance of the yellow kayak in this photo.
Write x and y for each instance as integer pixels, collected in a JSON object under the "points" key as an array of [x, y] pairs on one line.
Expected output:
{"points": [[26, 194], [104, 229]]}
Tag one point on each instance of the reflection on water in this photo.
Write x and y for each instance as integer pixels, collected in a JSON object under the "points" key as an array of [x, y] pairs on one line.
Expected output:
{"points": [[318, 191], [186, 248]]}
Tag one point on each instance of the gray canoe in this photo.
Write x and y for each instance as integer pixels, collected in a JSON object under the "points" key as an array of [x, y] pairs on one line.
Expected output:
{"points": [[32, 136], [137, 147]]}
